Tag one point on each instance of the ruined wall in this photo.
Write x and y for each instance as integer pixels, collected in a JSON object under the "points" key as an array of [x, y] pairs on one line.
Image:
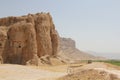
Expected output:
{"points": [[21, 43], [3, 38], [29, 36]]}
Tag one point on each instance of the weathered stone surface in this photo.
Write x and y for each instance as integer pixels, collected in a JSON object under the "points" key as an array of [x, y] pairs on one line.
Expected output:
{"points": [[21, 43], [55, 41], [43, 28], [29, 37], [3, 37]]}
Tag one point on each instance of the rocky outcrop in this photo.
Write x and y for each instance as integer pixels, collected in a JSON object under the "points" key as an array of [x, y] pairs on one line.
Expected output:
{"points": [[29, 38], [68, 51], [66, 43]]}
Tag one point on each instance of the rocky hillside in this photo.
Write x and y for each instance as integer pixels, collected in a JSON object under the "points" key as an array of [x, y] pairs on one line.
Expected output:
{"points": [[25, 39], [68, 51]]}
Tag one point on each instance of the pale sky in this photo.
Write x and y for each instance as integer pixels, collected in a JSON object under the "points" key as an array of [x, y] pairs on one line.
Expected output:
{"points": [[93, 24]]}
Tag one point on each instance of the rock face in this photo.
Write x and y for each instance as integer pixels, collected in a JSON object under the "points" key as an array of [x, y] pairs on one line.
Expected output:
{"points": [[68, 51], [3, 37], [28, 37], [47, 39]]}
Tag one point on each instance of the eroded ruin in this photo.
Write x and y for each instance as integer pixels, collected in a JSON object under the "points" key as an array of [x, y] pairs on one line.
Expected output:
{"points": [[27, 37]]}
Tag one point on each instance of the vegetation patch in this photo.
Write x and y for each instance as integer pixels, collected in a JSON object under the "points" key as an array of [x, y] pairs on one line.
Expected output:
{"points": [[114, 62]]}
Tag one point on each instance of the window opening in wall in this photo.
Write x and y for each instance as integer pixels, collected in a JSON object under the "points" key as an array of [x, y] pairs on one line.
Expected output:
{"points": [[0, 44], [8, 37], [19, 46]]}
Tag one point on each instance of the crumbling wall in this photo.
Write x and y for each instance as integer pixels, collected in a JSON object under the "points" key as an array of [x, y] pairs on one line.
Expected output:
{"points": [[28, 36], [3, 38], [21, 43]]}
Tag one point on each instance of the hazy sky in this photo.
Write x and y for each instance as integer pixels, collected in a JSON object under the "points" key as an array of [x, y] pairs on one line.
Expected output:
{"points": [[94, 24]]}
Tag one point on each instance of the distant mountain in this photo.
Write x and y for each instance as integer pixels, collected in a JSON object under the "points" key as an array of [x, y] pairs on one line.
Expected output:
{"points": [[68, 50], [105, 55]]}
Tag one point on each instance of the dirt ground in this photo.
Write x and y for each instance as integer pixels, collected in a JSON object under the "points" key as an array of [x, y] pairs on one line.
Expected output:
{"points": [[59, 72], [18, 72], [94, 71]]}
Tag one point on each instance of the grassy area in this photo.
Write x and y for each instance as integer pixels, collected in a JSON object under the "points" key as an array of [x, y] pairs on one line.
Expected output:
{"points": [[114, 62]]}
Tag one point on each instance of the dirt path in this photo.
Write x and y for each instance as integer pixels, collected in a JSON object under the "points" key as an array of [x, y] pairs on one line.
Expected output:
{"points": [[18, 72]]}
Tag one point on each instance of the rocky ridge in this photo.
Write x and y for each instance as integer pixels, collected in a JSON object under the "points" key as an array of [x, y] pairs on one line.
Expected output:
{"points": [[68, 51]]}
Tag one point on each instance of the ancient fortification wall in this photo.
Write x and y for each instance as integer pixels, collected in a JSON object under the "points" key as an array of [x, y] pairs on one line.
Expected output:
{"points": [[27, 38]]}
